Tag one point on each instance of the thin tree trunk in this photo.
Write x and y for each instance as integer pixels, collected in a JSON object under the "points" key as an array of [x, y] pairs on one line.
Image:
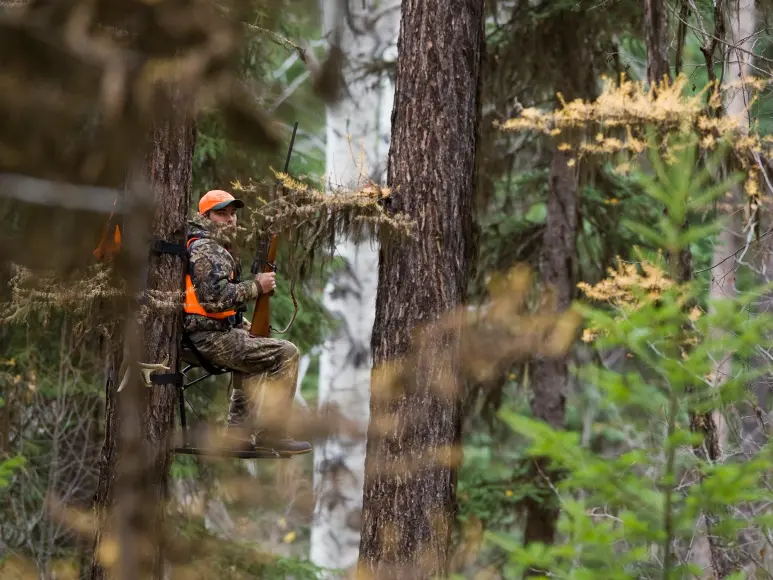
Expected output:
{"points": [[550, 376], [410, 474], [710, 550], [557, 267], [135, 458], [108, 458], [659, 71], [656, 38], [358, 131]]}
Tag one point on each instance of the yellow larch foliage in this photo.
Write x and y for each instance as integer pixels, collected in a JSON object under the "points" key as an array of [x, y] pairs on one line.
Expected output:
{"points": [[616, 121], [628, 288], [618, 288], [625, 105]]}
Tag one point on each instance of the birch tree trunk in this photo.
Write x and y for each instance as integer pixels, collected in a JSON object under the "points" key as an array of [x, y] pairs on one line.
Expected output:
{"points": [[731, 239], [135, 460], [358, 131], [709, 552], [415, 429]]}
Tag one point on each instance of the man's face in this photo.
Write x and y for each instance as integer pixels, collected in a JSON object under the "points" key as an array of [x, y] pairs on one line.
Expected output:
{"points": [[227, 215]]}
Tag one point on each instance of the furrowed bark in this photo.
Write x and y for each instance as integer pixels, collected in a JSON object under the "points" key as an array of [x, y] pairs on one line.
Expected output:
{"points": [[139, 421], [170, 169], [414, 433]]}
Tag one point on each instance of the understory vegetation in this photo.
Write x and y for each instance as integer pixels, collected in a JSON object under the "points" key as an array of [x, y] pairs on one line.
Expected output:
{"points": [[614, 372]]}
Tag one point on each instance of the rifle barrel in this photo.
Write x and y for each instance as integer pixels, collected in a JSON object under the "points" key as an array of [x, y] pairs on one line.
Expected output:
{"points": [[260, 255], [290, 148], [265, 257]]}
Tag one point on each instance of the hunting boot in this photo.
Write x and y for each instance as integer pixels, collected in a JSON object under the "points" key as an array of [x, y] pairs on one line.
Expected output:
{"points": [[284, 444], [240, 430], [238, 433], [272, 434], [237, 410]]}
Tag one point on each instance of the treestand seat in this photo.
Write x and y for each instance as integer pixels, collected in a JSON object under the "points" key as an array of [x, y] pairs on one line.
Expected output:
{"points": [[194, 359]]}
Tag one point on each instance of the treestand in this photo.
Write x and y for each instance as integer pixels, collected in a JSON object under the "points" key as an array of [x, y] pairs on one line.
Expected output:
{"points": [[194, 359]]}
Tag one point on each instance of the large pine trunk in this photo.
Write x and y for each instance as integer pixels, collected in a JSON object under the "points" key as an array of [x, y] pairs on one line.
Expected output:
{"points": [[410, 472], [558, 262], [135, 458], [358, 129]]}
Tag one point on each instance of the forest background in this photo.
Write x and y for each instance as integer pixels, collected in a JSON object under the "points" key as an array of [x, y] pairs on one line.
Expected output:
{"points": [[632, 445]]}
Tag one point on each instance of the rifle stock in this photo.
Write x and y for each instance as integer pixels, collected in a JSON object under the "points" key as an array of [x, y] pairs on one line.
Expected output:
{"points": [[261, 318]]}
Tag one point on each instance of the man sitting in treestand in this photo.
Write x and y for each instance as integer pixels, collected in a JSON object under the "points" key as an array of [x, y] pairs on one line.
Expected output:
{"points": [[266, 368]]}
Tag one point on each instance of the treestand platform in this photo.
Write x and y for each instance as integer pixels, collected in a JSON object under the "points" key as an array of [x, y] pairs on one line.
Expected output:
{"points": [[257, 453], [197, 441]]}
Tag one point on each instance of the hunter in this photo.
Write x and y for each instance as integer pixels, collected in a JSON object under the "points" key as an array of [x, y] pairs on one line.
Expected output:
{"points": [[265, 370]]}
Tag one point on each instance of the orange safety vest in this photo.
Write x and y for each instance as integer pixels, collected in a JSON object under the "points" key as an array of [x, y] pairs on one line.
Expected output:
{"points": [[192, 304]]}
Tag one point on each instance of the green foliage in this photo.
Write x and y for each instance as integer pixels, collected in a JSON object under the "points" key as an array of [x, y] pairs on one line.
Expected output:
{"points": [[512, 226], [183, 467], [7, 469], [491, 488], [8, 466], [625, 506], [218, 159], [212, 557], [311, 323]]}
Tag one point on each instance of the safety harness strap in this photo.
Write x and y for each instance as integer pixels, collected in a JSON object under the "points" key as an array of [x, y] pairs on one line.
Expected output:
{"points": [[164, 247], [175, 379]]}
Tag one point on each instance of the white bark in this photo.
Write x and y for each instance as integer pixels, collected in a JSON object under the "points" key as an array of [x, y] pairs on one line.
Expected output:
{"points": [[358, 131], [731, 239], [303, 368]]}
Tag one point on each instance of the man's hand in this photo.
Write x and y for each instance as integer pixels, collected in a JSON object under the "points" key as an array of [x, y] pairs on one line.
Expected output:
{"points": [[266, 281]]}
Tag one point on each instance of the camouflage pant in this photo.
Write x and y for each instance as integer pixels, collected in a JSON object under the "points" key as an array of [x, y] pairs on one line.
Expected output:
{"points": [[265, 370]]}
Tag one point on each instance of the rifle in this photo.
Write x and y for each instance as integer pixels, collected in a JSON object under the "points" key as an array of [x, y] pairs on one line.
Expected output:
{"points": [[264, 261]]}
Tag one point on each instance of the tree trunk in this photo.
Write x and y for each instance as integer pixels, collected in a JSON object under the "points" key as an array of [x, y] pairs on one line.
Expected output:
{"points": [[357, 130], [410, 472], [135, 458], [558, 264], [108, 457], [659, 71], [656, 38], [550, 376], [709, 550]]}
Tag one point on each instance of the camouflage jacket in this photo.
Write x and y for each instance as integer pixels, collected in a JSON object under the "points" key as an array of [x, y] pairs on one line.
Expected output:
{"points": [[210, 266]]}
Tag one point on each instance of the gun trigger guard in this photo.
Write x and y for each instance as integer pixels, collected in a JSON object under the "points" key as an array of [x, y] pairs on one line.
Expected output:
{"points": [[271, 265]]}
